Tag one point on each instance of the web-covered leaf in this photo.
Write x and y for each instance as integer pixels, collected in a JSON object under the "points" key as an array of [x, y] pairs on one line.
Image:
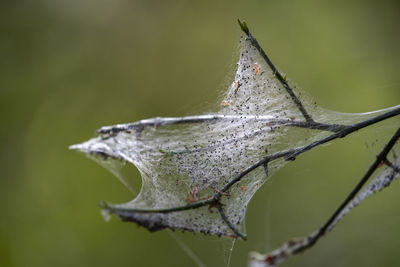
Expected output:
{"points": [[193, 166]]}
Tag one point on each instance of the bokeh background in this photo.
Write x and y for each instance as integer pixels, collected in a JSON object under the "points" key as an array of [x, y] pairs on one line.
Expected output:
{"points": [[70, 67]]}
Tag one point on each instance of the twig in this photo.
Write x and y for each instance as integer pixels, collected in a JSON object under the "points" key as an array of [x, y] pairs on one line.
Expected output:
{"points": [[379, 159], [282, 80], [194, 205], [229, 223], [299, 245], [139, 126], [291, 154]]}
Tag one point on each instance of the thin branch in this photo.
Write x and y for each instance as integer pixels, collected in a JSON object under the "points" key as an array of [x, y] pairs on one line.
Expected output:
{"points": [[112, 131], [281, 79], [229, 223], [391, 165], [194, 205], [291, 154], [299, 245], [347, 130], [379, 159], [108, 131]]}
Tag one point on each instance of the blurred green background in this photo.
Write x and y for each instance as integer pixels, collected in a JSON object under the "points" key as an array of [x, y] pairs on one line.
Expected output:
{"points": [[70, 67]]}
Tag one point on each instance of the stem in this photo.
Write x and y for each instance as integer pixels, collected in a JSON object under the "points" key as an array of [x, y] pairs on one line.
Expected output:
{"points": [[195, 205], [296, 246], [157, 122], [381, 157], [346, 131], [291, 154], [282, 80], [229, 223]]}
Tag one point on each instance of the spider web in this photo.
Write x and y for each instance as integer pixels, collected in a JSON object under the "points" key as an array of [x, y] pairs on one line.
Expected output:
{"points": [[185, 160]]}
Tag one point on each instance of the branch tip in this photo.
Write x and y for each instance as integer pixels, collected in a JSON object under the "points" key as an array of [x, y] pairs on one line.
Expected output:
{"points": [[243, 26]]}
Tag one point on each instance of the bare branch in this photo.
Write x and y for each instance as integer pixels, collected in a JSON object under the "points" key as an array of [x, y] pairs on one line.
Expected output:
{"points": [[295, 246], [139, 126]]}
